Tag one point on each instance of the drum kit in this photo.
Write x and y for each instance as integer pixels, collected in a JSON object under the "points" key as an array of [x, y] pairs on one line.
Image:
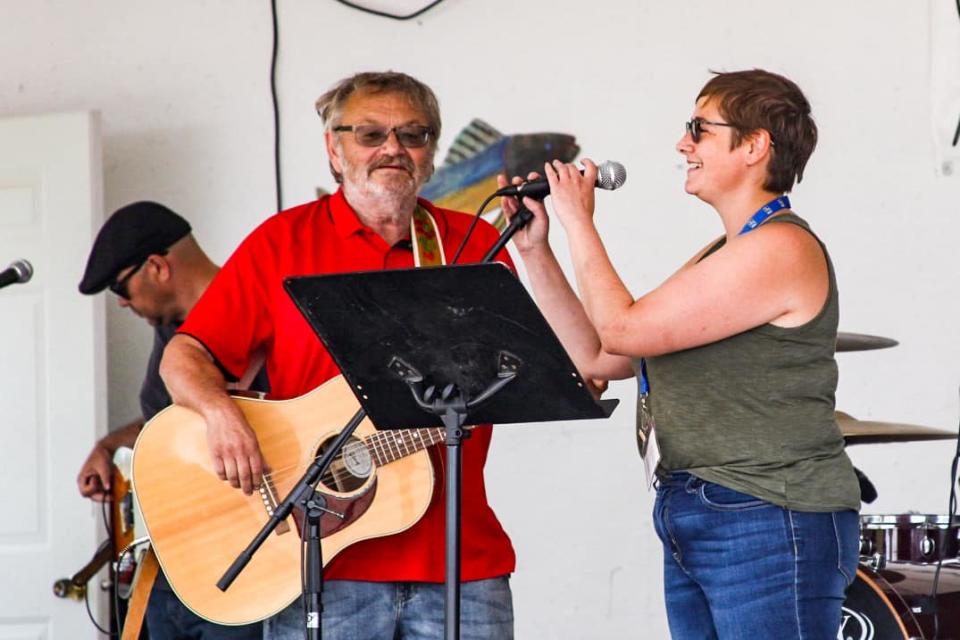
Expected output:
{"points": [[902, 591]]}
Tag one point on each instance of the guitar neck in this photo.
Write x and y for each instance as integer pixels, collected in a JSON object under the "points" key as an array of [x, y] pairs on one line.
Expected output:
{"points": [[393, 444]]}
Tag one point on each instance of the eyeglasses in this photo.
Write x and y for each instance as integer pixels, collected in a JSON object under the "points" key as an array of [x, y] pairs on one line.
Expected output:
{"points": [[695, 127], [410, 136], [119, 287]]}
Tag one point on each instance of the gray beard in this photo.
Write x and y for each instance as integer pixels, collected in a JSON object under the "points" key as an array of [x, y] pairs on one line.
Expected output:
{"points": [[374, 198]]}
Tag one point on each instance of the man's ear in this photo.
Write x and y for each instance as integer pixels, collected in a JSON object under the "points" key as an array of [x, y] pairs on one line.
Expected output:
{"points": [[160, 266], [332, 151]]}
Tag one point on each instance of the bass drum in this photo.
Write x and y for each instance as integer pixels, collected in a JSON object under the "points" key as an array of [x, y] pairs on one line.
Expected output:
{"points": [[894, 603]]}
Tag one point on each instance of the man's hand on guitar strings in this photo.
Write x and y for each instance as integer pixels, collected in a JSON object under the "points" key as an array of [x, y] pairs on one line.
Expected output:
{"points": [[234, 451]]}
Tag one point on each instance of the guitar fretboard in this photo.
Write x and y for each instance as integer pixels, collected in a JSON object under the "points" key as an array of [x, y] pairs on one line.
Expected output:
{"points": [[387, 446]]}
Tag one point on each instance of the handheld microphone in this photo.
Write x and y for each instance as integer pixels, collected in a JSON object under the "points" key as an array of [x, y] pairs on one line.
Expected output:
{"points": [[610, 175], [18, 271]]}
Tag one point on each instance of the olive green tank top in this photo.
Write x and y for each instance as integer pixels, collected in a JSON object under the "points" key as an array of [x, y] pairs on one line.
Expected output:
{"points": [[755, 412]]}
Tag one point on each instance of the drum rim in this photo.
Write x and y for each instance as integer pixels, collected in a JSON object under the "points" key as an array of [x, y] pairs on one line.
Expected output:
{"points": [[892, 520], [891, 598]]}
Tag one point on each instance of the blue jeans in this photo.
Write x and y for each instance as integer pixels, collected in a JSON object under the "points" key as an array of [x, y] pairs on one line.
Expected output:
{"points": [[738, 567], [354, 610], [168, 619]]}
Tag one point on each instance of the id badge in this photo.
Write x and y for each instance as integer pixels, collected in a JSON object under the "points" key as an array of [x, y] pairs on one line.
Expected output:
{"points": [[647, 440]]}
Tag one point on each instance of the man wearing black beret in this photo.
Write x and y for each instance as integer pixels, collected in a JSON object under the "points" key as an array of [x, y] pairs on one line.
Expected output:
{"points": [[146, 255]]}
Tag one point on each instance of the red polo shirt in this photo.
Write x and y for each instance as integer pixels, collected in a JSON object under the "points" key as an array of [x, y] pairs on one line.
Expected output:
{"points": [[245, 309]]}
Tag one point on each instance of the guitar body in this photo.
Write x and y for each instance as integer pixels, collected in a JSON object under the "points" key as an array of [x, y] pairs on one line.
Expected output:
{"points": [[126, 526], [198, 524]]}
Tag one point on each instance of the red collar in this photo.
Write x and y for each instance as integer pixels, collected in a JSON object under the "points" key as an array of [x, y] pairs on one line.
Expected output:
{"points": [[345, 219]]}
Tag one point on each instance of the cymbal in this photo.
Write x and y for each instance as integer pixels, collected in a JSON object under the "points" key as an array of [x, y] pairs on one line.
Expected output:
{"points": [[868, 431], [862, 342]]}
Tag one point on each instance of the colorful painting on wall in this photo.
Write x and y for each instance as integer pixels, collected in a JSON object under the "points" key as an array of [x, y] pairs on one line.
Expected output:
{"points": [[479, 153]]}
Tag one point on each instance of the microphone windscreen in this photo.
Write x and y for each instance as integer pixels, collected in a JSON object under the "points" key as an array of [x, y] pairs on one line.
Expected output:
{"points": [[24, 270], [611, 175]]}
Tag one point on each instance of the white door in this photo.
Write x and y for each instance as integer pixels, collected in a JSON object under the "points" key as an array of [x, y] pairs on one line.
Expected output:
{"points": [[52, 369]]}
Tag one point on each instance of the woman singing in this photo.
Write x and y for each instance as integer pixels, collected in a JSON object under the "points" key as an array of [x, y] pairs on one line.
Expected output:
{"points": [[756, 499]]}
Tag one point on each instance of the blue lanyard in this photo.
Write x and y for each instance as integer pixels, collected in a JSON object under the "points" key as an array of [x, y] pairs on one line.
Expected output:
{"points": [[758, 218], [764, 212], [644, 380]]}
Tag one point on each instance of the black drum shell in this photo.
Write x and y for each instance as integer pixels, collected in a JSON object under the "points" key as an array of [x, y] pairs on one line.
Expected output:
{"points": [[894, 603]]}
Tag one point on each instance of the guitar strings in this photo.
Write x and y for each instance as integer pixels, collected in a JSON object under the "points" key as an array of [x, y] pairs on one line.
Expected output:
{"points": [[331, 475], [372, 443]]}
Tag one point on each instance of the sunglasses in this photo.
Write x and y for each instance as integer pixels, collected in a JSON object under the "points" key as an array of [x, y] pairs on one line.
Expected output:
{"points": [[695, 127], [119, 286], [410, 136]]}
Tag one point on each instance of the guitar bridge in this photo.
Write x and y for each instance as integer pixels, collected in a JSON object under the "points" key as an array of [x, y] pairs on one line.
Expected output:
{"points": [[268, 493]]}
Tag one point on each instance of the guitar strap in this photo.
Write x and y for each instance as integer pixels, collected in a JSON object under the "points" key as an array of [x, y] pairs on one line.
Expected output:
{"points": [[147, 574], [427, 248], [257, 360]]}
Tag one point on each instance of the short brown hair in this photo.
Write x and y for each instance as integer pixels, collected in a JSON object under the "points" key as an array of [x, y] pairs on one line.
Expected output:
{"points": [[757, 99]]}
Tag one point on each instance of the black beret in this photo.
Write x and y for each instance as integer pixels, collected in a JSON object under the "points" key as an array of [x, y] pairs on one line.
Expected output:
{"points": [[128, 237]]}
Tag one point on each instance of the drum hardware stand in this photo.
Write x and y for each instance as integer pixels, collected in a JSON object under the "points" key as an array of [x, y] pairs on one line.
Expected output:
{"points": [[951, 508], [877, 561]]}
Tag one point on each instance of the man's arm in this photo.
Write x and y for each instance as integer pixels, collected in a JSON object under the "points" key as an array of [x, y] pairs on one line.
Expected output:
{"points": [[93, 481], [195, 381]]}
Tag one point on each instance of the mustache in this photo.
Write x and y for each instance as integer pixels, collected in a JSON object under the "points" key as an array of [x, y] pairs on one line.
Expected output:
{"points": [[399, 161]]}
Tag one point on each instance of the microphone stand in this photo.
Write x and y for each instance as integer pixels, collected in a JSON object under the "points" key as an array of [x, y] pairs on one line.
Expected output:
{"points": [[520, 219], [303, 495]]}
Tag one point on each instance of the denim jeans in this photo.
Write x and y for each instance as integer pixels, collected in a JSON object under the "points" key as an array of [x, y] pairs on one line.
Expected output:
{"points": [[355, 610], [738, 567], [168, 619]]}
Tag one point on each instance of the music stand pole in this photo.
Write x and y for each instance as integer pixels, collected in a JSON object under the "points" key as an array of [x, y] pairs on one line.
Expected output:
{"points": [[452, 408], [453, 420]]}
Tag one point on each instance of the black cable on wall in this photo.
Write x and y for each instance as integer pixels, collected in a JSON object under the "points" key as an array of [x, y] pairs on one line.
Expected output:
{"points": [[394, 15], [276, 109]]}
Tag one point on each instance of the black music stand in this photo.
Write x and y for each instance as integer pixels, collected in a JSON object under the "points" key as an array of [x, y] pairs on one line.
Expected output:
{"points": [[445, 346]]}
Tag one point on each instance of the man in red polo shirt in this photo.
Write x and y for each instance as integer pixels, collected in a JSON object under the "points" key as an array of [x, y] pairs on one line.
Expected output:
{"points": [[381, 135]]}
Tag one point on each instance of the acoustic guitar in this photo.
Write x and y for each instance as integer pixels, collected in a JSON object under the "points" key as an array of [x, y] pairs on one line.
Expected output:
{"points": [[380, 484]]}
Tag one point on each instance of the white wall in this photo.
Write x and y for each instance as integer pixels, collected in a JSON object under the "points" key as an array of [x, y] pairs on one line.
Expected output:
{"points": [[184, 96]]}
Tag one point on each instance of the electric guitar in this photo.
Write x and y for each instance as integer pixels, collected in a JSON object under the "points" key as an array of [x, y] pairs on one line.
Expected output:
{"points": [[381, 483], [126, 532]]}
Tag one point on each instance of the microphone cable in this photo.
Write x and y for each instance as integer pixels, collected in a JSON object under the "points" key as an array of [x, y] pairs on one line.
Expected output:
{"points": [[473, 225]]}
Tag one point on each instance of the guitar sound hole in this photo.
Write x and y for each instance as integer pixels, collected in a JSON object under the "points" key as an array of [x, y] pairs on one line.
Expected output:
{"points": [[350, 469]]}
